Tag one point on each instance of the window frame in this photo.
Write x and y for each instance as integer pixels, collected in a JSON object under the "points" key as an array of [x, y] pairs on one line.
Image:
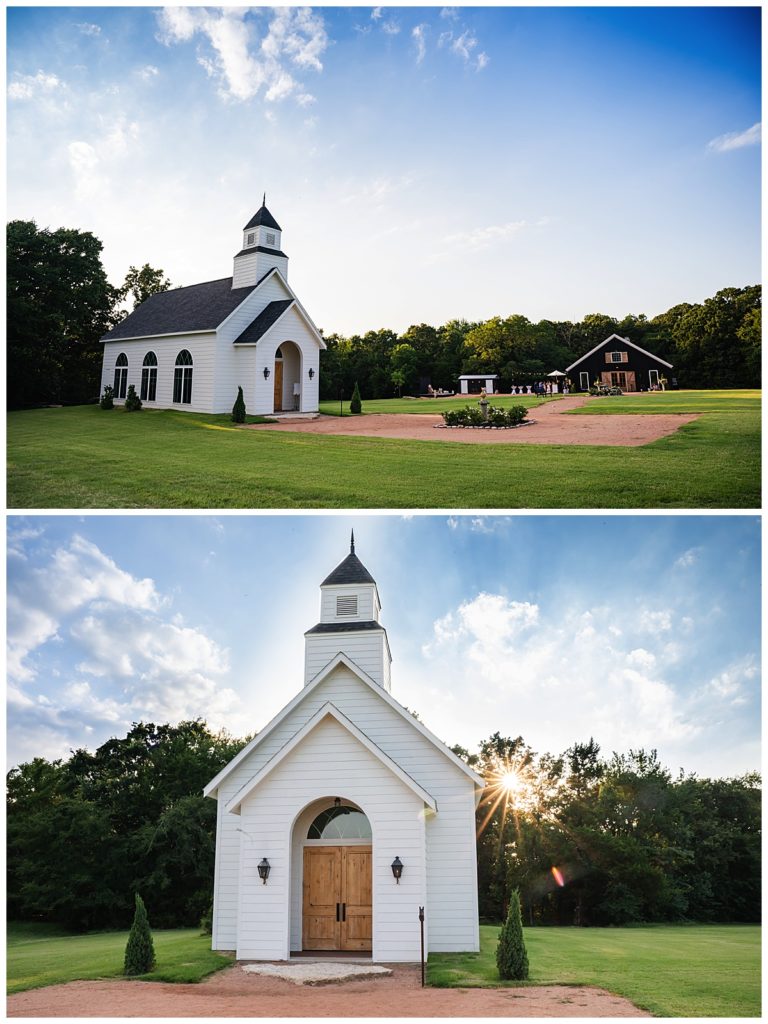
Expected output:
{"points": [[182, 378], [121, 375], [149, 378]]}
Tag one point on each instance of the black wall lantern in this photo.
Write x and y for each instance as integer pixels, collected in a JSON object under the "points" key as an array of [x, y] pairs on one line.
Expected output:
{"points": [[266, 373], [311, 373], [397, 869], [263, 870]]}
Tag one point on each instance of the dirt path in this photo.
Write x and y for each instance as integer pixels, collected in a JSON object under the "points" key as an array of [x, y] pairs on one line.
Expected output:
{"points": [[549, 426], [232, 993]]}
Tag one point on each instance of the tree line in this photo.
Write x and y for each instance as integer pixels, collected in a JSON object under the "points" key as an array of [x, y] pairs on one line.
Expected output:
{"points": [[60, 303], [586, 840]]}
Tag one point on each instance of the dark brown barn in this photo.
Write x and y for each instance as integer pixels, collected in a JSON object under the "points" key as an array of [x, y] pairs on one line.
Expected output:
{"points": [[618, 362]]}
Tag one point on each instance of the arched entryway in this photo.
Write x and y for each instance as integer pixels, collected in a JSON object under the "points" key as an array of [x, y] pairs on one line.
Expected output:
{"points": [[287, 378], [333, 847]]}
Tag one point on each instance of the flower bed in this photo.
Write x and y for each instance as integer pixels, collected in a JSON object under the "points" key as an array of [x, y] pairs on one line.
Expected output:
{"points": [[472, 416]]}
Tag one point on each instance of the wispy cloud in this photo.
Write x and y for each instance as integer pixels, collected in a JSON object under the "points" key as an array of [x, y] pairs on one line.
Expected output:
{"points": [[242, 64], [737, 140], [688, 558], [464, 45], [89, 29], [418, 34], [148, 72], [27, 87]]}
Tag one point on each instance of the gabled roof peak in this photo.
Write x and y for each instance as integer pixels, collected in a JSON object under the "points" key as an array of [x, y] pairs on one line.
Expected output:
{"points": [[351, 570]]}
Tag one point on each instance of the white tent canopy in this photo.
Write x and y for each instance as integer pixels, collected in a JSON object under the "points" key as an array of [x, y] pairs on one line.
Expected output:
{"points": [[556, 373]]}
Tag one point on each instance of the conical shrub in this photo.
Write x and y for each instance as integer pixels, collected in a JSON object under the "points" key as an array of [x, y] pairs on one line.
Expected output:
{"points": [[356, 404], [511, 956], [238, 409], [140, 950], [132, 403]]}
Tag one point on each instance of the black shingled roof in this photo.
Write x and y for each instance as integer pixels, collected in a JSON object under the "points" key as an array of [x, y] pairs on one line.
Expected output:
{"points": [[351, 570], [263, 321], [260, 248], [200, 307], [344, 627], [262, 218]]}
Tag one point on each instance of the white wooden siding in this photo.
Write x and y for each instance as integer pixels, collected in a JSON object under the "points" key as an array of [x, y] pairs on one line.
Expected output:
{"points": [[202, 349], [452, 917], [366, 649], [366, 609], [248, 268], [327, 762]]}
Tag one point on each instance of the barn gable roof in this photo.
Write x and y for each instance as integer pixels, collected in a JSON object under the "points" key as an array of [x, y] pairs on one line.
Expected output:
{"points": [[328, 710], [624, 341], [339, 659]]}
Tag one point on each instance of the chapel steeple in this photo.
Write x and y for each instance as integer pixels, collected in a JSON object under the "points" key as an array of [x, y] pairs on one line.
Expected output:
{"points": [[261, 249], [349, 622]]}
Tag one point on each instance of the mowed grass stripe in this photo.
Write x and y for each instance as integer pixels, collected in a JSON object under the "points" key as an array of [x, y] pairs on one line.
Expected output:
{"points": [[36, 958], [670, 970], [83, 457]]}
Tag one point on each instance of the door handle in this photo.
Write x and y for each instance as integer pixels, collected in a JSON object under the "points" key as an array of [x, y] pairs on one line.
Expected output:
{"points": [[338, 914], [343, 911]]}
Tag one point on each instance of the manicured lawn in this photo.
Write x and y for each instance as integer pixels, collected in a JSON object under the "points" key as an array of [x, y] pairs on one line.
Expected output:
{"points": [[40, 955], [746, 402], [433, 405], [82, 457], [670, 970]]}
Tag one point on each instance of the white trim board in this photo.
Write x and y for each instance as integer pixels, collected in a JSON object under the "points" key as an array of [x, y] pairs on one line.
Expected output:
{"points": [[624, 341], [328, 710]]}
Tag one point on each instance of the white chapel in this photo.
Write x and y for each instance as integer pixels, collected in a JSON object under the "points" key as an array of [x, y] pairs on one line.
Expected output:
{"points": [[345, 814], [191, 348]]}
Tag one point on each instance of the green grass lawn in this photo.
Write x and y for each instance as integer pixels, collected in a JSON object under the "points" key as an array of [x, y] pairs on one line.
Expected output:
{"points": [[82, 457], [431, 406], [670, 970], [41, 955]]}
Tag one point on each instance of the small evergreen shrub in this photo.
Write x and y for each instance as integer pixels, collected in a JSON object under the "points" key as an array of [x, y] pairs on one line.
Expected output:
{"points": [[108, 398], [132, 400], [206, 921], [355, 404], [511, 956], [238, 409], [140, 950]]}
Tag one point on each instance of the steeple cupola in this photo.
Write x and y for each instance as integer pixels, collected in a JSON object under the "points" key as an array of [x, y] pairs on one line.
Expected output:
{"points": [[261, 249], [349, 623]]}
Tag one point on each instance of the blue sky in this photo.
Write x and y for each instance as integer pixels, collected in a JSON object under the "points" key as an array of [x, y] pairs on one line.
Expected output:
{"points": [[424, 163], [639, 631]]}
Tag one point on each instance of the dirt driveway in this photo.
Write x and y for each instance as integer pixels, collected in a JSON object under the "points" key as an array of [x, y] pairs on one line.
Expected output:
{"points": [[232, 993], [549, 426]]}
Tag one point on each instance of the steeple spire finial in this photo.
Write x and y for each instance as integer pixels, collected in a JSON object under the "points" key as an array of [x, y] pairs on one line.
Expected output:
{"points": [[352, 544], [264, 199]]}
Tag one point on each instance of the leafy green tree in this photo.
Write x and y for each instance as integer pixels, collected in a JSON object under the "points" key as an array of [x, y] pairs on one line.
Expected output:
{"points": [[141, 282], [140, 949], [511, 954], [238, 409], [60, 304]]}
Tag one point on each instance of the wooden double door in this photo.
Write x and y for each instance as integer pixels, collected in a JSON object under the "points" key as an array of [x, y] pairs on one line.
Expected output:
{"points": [[337, 901]]}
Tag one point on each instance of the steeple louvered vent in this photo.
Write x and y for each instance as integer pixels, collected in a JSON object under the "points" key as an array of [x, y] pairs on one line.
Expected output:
{"points": [[346, 606]]}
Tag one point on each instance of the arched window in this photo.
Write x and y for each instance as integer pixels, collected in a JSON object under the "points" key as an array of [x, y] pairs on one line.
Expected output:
{"points": [[121, 375], [340, 823], [279, 354], [149, 378], [182, 378]]}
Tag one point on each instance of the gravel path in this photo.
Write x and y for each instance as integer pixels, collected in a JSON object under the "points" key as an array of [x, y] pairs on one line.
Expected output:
{"points": [[549, 426], [232, 993]]}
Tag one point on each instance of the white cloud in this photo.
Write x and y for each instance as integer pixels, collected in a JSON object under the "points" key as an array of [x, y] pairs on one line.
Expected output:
{"points": [[148, 72], [391, 27], [376, 13], [89, 29], [421, 46], [133, 658], [242, 64], [91, 164], [737, 140], [688, 558], [464, 45], [552, 677], [450, 13], [482, 238], [654, 621], [27, 87]]}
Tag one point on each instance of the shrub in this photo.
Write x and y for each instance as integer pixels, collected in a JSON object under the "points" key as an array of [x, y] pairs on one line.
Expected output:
{"points": [[511, 957], [238, 409], [132, 401], [140, 950], [206, 921], [355, 404], [472, 416], [108, 398]]}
